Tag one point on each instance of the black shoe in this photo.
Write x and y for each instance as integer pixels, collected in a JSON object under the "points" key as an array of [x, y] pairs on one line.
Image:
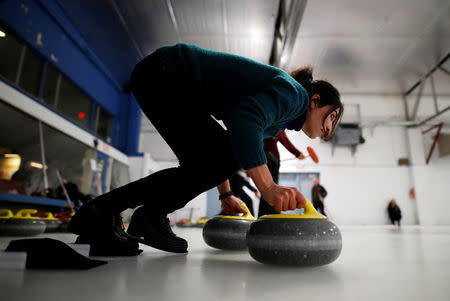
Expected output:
{"points": [[155, 231], [110, 246], [103, 231], [90, 221]]}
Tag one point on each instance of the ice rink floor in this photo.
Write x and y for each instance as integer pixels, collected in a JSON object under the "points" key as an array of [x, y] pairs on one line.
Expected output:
{"points": [[376, 263]]}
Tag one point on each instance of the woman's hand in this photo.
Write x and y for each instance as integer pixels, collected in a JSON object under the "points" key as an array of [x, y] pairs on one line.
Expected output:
{"points": [[301, 157], [232, 205], [280, 197], [284, 198]]}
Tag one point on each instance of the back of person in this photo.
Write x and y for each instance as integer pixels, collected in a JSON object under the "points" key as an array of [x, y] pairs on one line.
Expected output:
{"points": [[395, 214]]}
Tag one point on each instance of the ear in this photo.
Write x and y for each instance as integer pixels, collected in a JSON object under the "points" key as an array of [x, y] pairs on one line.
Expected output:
{"points": [[314, 99]]}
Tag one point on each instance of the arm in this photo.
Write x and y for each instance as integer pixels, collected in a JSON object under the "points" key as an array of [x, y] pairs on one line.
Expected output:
{"points": [[288, 145], [323, 191], [224, 187], [231, 204], [280, 197]]}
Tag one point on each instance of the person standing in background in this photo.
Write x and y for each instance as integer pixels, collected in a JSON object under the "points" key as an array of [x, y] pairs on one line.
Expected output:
{"points": [[395, 214], [318, 194]]}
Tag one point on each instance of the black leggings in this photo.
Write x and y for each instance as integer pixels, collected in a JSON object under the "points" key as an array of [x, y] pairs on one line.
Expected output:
{"points": [[182, 117], [319, 207]]}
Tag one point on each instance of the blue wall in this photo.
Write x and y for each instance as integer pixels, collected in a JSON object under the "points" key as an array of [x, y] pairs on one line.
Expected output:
{"points": [[65, 48]]}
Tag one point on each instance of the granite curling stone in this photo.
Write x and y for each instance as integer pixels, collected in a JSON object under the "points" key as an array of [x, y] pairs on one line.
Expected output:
{"points": [[52, 223], [308, 239], [20, 224], [228, 232]]}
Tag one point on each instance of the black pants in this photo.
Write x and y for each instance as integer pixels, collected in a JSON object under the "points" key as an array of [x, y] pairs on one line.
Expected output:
{"points": [[273, 163], [182, 116], [319, 207]]}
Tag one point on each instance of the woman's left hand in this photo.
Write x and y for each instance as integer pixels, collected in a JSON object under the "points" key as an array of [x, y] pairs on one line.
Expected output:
{"points": [[232, 205]]}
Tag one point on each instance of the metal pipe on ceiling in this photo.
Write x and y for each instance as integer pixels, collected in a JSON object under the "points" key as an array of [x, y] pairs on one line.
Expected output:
{"points": [[124, 24], [430, 118], [438, 66], [290, 15]]}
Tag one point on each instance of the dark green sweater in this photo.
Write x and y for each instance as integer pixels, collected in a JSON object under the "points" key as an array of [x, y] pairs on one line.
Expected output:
{"points": [[254, 100]]}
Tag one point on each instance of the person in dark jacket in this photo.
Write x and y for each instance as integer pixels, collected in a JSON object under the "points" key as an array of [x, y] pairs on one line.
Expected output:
{"points": [[183, 89], [395, 214], [318, 194]]}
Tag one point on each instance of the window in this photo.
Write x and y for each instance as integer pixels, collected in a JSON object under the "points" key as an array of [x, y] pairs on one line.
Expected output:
{"points": [[103, 124], [31, 72], [120, 174], [73, 103], [52, 81], [71, 158], [20, 156], [10, 52]]}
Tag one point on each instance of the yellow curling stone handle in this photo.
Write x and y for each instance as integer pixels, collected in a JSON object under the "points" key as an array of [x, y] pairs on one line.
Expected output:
{"points": [[6, 213], [49, 216], [247, 216], [310, 212], [26, 214]]}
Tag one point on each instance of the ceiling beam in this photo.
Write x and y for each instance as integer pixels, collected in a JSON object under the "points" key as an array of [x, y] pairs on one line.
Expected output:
{"points": [[290, 14], [173, 19], [428, 74], [124, 24]]}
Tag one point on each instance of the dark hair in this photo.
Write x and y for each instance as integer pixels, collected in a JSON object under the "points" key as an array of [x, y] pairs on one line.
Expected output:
{"points": [[329, 95]]}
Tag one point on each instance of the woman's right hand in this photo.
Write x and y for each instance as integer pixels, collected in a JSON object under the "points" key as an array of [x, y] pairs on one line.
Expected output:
{"points": [[280, 197], [283, 198]]}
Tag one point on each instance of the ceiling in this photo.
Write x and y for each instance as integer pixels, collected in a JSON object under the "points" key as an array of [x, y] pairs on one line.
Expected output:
{"points": [[362, 46]]}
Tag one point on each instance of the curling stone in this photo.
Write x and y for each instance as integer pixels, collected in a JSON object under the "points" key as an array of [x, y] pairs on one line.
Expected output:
{"points": [[185, 223], [65, 219], [21, 224], [51, 222], [308, 239], [228, 232], [200, 223]]}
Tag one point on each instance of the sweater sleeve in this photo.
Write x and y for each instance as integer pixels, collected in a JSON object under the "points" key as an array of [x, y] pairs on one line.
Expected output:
{"points": [[247, 122], [288, 145]]}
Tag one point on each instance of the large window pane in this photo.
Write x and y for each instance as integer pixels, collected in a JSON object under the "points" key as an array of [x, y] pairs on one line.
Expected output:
{"points": [[69, 157], [20, 157], [52, 77], [104, 124], [120, 174], [30, 75], [73, 103], [10, 51]]}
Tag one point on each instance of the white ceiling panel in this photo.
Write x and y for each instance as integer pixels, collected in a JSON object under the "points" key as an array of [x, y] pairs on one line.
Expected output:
{"points": [[199, 17], [374, 46]]}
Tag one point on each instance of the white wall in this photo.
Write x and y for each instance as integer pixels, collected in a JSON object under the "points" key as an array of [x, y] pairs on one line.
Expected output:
{"points": [[432, 182], [360, 186]]}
